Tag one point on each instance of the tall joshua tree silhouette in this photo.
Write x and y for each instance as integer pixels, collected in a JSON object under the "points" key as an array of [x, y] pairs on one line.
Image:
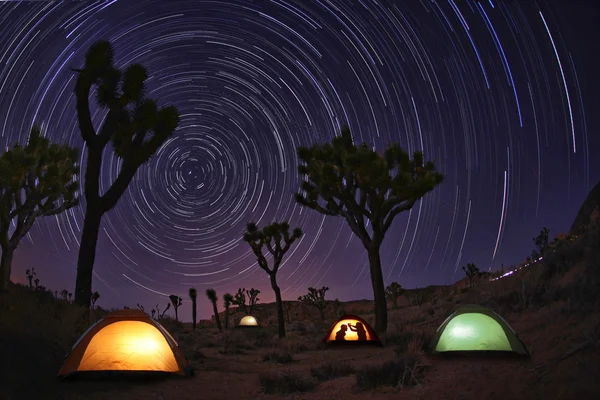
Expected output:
{"points": [[134, 125], [368, 189]]}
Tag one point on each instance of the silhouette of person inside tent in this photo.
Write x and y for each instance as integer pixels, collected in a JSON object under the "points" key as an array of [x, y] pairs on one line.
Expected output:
{"points": [[340, 335], [360, 330]]}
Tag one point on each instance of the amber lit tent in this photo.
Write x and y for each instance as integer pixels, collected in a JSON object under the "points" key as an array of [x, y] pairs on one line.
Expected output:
{"points": [[346, 324], [248, 321], [476, 329], [126, 341]]}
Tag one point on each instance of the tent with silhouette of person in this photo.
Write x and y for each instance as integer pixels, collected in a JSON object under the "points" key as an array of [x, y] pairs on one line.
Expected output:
{"points": [[126, 342], [351, 330], [474, 329]]}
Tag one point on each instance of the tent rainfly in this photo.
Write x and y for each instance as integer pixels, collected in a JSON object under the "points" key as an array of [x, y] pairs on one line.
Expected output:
{"points": [[125, 341], [474, 328], [352, 330]]}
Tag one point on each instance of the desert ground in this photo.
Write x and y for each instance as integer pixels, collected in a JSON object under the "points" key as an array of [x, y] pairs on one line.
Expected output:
{"points": [[553, 305]]}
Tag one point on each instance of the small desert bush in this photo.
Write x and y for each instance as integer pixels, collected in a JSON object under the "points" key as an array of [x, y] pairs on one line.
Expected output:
{"points": [[403, 371], [331, 370], [234, 343], [284, 383], [260, 339], [408, 341], [292, 346], [278, 357]]}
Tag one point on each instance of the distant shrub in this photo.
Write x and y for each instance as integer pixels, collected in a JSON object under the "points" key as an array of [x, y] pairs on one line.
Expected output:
{"points": [[233, 343], [284, 383], [331, 370], [408, 341], [261, 339], [278, 357], [401, 372], [292, 346]]}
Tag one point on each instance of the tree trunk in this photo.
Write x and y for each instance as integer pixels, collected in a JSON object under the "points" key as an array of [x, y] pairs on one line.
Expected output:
{"points": [[87, 255], [280, 315], [5, 267], [194, 314], [176, 315], [217, 319], [378, 290]]}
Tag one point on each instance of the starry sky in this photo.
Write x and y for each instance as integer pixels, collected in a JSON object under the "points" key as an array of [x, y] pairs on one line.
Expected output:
{"points": [[499, 93]]}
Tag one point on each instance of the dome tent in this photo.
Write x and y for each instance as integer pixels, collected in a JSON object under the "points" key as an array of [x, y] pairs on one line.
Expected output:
{"points": [[125, 342], [248, 321], [475, 328], [351, 330]]}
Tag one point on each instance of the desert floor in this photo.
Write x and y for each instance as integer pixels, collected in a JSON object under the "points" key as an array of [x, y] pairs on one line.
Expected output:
{"points": [[560, 327]]}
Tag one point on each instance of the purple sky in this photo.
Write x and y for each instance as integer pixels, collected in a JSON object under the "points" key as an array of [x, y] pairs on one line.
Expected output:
{"points": [[501, 95]]}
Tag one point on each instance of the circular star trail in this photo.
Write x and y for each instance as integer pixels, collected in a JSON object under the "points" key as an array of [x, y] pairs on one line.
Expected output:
{"points": [[490, 90]]}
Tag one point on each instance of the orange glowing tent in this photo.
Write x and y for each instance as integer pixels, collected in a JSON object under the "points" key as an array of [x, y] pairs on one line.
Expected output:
{"points": [[351, 330], [125, 341]]}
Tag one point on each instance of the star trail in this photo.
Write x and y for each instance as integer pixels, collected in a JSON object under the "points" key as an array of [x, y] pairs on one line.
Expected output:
{"points": [[495, 92]]}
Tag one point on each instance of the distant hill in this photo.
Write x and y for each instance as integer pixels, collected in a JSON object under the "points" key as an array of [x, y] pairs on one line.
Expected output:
{"points": [[591, 202]]}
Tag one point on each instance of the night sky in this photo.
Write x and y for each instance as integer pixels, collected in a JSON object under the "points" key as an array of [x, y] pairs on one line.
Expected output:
{"points": [[501, 94]]}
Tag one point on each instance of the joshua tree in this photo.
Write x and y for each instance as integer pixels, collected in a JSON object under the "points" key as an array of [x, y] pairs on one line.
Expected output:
{"points": [[176, 301], [471, 271], [393, 292], [30, 273], [159, 314], [193, 293], [227, 299], [366, 188], [252, 299], [212, 296], [541, 244], [70, 295], [134, 125], [316, 298], [239, 300], [94, 299], [141, 307], [272, 236], [36, 180]]}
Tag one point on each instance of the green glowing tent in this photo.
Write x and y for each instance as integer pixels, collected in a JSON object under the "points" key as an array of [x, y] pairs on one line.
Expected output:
{"points": [[474, 328]]}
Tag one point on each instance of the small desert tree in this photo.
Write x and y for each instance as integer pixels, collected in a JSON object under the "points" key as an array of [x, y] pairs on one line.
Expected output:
{"points": [[471, 271], [94, 299], [541, 244], [30, 273], [134, 125], [366, 188], [252, 299], [176, 301], [239, 300], [212, 296], [393, 292], [193, 293], [277, 240], [36, 180], [316, 298], [227, 301]]}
